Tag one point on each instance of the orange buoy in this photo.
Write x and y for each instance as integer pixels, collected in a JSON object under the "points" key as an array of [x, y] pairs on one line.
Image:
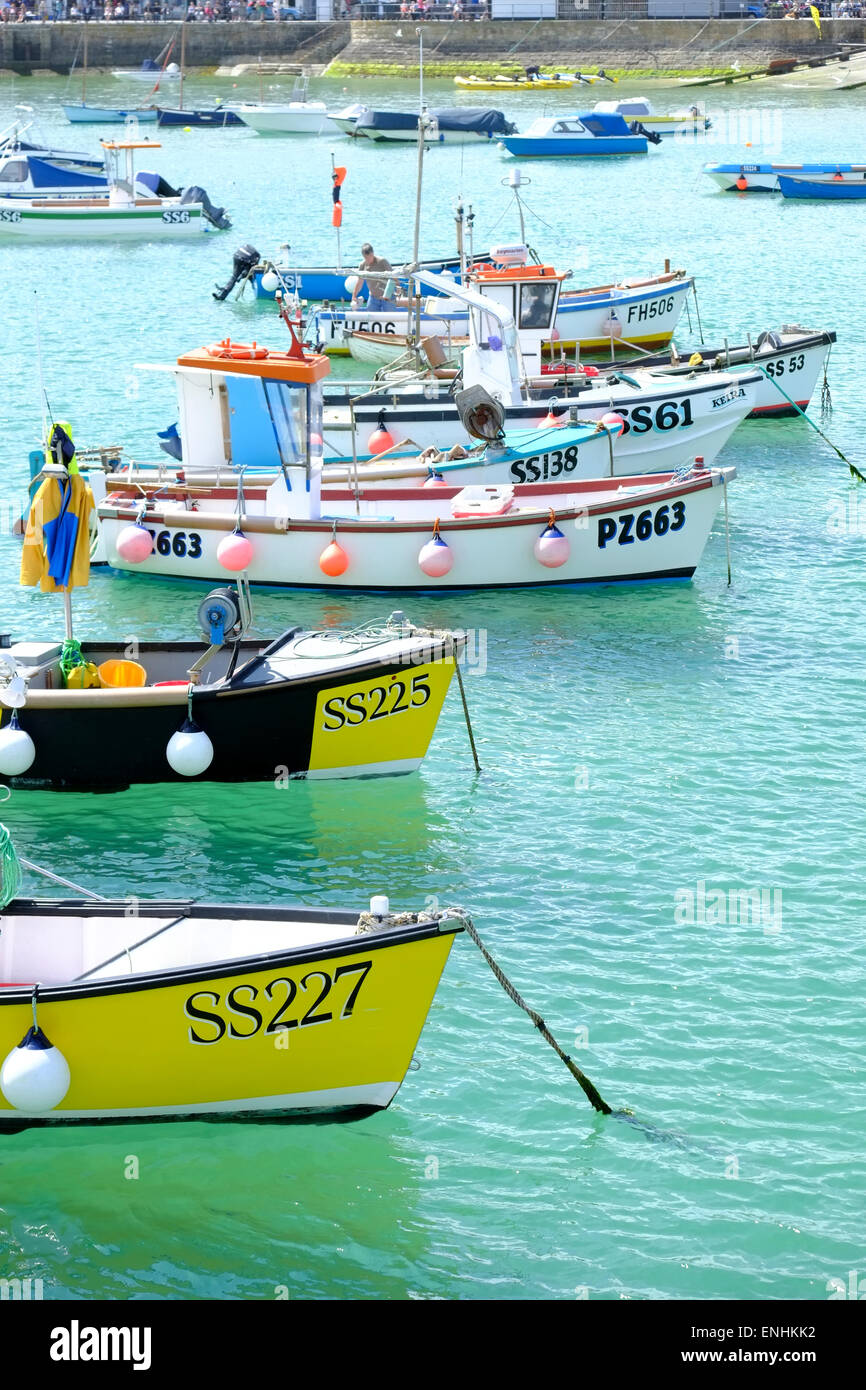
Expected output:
{"points": [[742, 183], [333, 560], [380, 440]]}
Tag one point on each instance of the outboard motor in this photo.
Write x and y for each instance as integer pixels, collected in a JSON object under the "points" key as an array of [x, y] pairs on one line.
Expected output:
{"points": [[216, 216], [244, 262], [637, 128]]}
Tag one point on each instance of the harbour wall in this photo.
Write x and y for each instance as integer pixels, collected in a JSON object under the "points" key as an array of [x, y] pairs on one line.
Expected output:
{"points": [[645, 45], [640, 44]]}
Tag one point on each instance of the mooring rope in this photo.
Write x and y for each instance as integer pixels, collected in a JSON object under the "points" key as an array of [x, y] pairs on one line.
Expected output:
{"points": [[367, 922], [855, 471]]}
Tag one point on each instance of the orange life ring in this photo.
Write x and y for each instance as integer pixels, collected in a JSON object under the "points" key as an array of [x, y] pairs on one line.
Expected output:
{"points": [[237, 352]]}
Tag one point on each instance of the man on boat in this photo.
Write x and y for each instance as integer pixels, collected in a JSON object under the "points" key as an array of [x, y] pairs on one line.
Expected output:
{"points": [[376, 284]]}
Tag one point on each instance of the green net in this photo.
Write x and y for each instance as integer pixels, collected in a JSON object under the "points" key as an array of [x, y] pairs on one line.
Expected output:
{"points": [[70, 656], [10, 869]]}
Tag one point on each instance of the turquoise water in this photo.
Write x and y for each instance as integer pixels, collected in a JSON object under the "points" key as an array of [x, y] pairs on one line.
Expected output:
{"points": [[635, 744]]}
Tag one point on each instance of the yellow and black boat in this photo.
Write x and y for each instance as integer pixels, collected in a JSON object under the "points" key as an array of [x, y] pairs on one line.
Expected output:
{"points": [[315, 704], [532, 79], [188, 1011]]}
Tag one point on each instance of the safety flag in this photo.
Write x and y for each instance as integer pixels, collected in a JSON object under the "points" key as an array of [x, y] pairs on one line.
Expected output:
{"points": [[816, 16], [337, 177]]}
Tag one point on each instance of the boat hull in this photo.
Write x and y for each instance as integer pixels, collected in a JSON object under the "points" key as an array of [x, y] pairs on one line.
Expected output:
{"points": [[106, 115], [646, 317], [488, 553], [532, 147], [249, 1038], [216, 117], [668, 424], [287, 122], [110, 738], [72, 222], [321, 283], [825, 190], [764, 178]]}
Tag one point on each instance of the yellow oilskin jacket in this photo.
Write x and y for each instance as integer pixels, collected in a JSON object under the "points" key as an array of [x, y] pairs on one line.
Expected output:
{"points": [[45, 508]]}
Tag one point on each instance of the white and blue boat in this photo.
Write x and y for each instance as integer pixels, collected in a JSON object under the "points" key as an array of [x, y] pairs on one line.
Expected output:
{"points": [[28, 171], [82, 114], [764, 178], [595, 133], [321, 283], [837, 187]]}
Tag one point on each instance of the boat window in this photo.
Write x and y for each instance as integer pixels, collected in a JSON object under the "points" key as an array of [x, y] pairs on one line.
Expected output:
{"points": [[267, 422], [14, 172], [536, 305]]}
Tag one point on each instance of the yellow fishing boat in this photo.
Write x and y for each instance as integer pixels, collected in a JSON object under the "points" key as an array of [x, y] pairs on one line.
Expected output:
{"points": [[551, 81], [184, 1011]]}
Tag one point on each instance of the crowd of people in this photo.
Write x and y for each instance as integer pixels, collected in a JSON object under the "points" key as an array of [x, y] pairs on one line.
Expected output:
{"points": [[154, 10]]}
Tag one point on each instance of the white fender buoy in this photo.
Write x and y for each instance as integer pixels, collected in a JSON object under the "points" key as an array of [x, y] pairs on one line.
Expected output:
{"points": [[613, 327], [551, 548], [35, 1075], [189, 752], [436, 557], [351, 284], [270, 281], [17, 749]]}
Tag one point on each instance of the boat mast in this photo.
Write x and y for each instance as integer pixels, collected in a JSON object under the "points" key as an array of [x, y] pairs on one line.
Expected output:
{"points": [[84, 68], [182, 62]]}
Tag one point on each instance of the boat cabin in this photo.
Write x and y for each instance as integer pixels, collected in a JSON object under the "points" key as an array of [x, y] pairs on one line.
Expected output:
{"points": [[243, 406]]}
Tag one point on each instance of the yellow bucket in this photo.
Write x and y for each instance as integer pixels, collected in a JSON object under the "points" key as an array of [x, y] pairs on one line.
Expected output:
{"points": [[117, 672]]}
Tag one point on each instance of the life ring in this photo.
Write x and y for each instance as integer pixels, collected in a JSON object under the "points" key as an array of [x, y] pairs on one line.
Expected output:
{"points": [[237, 352]]}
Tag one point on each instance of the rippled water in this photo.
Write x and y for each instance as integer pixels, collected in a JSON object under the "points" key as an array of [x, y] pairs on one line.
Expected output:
{"points": [[635, 743]]}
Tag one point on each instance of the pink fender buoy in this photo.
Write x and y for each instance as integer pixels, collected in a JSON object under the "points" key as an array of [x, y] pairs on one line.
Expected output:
{"points": [[333, 560], [613, 422], [134, 544], [613, 327], [551, 548], [234, 552], [436, 480], [380, 440], [436, 557]]}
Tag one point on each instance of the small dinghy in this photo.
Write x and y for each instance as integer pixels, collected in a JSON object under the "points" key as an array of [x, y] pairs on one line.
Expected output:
{"points": [[247, 1013], [838, 186], [214, 116]]}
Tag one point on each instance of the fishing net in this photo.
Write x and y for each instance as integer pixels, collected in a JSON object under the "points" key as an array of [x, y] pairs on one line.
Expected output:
{"points": [[10, 869]]}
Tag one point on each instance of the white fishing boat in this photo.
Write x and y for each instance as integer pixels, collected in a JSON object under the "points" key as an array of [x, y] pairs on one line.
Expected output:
{"points": [[691, 121], [638, 311], [386, 537], [297, 116], [122, 211], [149, 71], [669, 419]]}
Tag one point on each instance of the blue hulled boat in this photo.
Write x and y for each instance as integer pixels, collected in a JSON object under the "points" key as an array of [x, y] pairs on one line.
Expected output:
{"points": [[216, 116], [595, 133], [839, 186]]}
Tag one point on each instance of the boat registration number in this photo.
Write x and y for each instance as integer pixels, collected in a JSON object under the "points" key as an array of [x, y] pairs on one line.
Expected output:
{"points": [[283, 1003], [175, 215], [642, 526], [668, 415], [183, 544], [650, 309], [10, 215], [376, 703], [548, 465], [795, 364]]}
